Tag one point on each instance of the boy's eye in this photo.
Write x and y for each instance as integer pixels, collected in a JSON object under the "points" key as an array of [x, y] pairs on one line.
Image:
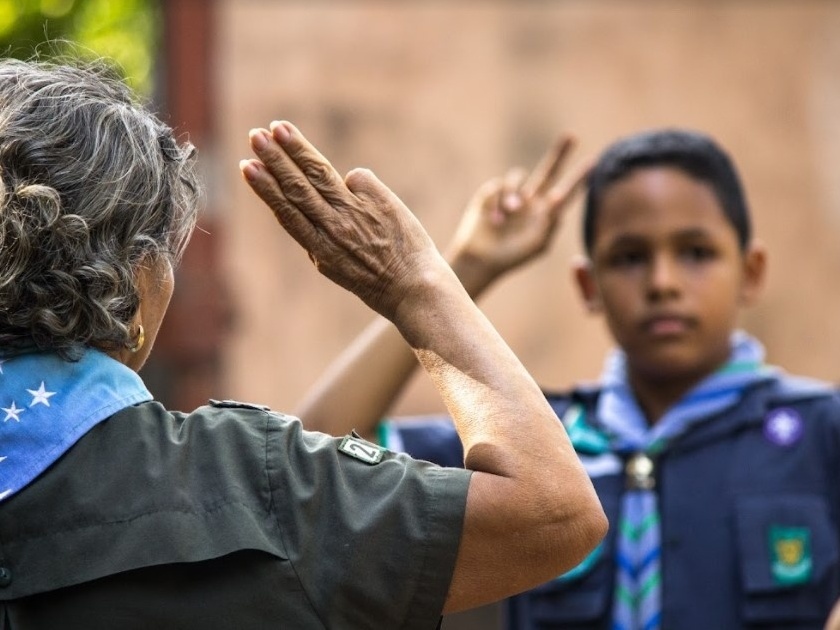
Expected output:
{"points": [[698, 253], [628, 258]]}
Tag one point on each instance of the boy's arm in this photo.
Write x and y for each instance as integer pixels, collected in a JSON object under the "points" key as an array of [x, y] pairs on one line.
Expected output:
{"points": [[531, 512], [509, 221]]}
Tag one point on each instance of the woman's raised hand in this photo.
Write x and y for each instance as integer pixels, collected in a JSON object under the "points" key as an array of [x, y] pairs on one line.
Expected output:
{"points": [[356, 231]]}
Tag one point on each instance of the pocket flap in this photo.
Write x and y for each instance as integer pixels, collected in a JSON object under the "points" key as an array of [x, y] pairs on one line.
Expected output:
{"points": [[785, 541]]}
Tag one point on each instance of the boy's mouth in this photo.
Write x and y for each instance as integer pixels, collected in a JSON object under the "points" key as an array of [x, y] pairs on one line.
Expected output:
{"points": [[667, 325]]}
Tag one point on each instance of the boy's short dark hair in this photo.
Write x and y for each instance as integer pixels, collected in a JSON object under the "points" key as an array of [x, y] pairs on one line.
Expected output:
{"points": [[694, 153]]}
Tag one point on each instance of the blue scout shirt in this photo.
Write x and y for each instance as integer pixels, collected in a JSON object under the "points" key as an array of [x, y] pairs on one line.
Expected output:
{"points": [[750, 508]]}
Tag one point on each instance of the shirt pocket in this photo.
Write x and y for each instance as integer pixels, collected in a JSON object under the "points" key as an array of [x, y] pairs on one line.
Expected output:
{"points": [[788, 548]]}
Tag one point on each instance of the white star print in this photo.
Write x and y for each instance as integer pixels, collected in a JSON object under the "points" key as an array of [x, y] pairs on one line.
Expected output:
{"points": [[12, 413], [40, 395]]}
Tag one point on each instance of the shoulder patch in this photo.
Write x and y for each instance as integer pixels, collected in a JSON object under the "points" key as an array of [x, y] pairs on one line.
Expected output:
{"points": [[783, 426], [360, 449], [236, 404]]}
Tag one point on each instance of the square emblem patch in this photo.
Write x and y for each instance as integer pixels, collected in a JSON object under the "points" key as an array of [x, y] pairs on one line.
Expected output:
{"points": [[361, 449], [790, 554]]}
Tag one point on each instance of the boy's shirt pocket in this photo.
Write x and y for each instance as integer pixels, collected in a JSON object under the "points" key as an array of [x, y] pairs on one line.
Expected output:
{"points": [[788, 557]]}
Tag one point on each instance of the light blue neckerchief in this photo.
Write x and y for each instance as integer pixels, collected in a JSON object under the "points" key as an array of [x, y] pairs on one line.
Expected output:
{"points": [[622, 428], [622, 418], [47, 404]]}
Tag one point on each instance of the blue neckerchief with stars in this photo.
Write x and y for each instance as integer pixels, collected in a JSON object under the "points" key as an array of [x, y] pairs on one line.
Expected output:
{"points": [[47, 404], [621, 427]]}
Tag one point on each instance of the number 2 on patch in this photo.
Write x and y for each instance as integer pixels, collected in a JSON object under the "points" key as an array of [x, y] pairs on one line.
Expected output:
{"points": [[361, 449]]}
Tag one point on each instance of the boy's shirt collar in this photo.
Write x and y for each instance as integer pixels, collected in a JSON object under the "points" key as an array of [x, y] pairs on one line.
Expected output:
{"points": [[47, 404]]}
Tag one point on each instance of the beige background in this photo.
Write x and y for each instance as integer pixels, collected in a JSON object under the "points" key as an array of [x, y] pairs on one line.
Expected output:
{"points": [[436, 97]]}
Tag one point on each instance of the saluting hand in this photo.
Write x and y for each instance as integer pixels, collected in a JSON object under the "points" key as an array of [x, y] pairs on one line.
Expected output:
{"points": [[512, 219], [356, 231]]}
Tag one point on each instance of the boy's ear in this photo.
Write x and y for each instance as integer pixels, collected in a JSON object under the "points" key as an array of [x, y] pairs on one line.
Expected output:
{"points": [[755, 270], [586, 284]]}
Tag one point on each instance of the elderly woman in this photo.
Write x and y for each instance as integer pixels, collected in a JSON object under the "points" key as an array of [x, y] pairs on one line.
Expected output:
{"points": [[118, 513]]}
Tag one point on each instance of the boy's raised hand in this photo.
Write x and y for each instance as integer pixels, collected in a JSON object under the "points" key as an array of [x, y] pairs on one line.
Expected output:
{"points": [[512, 219]]}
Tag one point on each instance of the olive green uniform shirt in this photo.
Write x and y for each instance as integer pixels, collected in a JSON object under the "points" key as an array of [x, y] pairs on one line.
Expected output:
{"points": [[229, 517]]}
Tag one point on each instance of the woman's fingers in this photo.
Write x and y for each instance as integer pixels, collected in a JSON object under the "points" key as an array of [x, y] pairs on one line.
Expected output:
{"points": [[298, 154], [267, 188], [304, 175], [299, 184], [355, 229]]}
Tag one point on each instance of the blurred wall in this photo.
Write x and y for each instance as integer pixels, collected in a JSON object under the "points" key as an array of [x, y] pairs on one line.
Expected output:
{"points": [[436, 97]]}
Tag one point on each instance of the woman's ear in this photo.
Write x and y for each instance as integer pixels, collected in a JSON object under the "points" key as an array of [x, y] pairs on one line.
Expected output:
{"points": [[586, 284], [755, 271]]}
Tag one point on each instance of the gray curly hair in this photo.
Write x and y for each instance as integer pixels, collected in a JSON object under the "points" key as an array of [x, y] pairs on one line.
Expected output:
{"points": [[92, 184]]}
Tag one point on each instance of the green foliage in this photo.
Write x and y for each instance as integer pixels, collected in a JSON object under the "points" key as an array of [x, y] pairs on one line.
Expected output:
{"points": [[123, 30]]}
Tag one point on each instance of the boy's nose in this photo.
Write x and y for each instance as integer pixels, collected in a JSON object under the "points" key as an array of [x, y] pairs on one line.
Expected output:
{"points": [[663, 279]]}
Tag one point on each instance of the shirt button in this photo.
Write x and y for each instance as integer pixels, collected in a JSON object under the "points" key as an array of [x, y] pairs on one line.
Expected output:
{"points": [[5, 577]]}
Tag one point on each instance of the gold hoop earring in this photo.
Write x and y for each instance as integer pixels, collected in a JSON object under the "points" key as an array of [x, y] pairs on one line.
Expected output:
{"points": [[139, 341]]}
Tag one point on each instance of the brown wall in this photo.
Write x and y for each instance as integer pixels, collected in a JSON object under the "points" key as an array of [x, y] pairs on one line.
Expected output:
{"points": [[436, 97]]}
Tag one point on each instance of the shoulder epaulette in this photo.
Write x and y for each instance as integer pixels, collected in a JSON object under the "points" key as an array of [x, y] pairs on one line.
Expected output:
{"points": [[788, 388], [236, 404]]}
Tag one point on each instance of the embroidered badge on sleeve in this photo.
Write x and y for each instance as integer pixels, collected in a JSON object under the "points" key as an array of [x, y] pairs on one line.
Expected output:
{"points": [[360, 449]]}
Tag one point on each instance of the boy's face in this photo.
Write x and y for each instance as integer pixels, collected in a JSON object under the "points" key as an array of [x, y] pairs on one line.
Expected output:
{"points": [[667, 272]]}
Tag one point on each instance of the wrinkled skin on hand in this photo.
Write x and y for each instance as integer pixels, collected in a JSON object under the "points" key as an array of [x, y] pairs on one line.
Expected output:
{"points": [[357, 232]]}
